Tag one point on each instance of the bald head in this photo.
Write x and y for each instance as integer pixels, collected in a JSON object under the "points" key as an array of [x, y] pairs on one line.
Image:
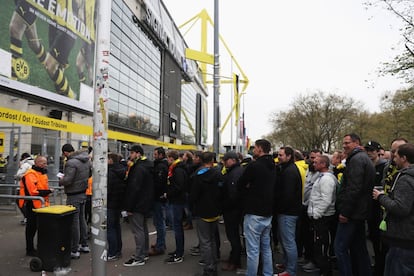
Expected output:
{"points": [[41, 161], [395, 144]]}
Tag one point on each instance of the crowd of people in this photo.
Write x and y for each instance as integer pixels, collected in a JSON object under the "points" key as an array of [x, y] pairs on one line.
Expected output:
{"points": [[311, 207]]}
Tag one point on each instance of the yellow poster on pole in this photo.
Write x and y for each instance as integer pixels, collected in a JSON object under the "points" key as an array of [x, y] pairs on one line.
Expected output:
{"points": [[2, 137]]}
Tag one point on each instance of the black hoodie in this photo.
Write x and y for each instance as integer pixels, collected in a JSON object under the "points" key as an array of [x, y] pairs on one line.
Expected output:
{"points": [[205, 193]]}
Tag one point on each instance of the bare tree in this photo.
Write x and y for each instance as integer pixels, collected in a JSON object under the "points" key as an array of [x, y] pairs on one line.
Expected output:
{"points": [[314, 121]]}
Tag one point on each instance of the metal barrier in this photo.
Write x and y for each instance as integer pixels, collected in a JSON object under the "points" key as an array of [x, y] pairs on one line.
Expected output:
{"points": [[9, 185], [25, 197], [56, 195]]}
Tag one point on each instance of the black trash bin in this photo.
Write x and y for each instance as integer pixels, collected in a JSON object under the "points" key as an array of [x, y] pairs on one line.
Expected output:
{"points": [[53, 237]]}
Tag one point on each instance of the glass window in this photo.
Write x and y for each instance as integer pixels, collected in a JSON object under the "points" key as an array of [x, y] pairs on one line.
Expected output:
{"points": [[188, 112], [123, 109], [135, 72], [113, 106]]}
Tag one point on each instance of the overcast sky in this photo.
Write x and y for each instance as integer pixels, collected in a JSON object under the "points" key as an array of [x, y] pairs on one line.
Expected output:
{"points": [[293, 47]]}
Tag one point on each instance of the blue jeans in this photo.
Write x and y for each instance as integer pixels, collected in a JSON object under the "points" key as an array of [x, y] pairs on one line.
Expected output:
{"points": [[257, 234], [287, 231], [158, 219], [114, 232], [168, 215], [351, 249], [399, 261], [177, 217]]}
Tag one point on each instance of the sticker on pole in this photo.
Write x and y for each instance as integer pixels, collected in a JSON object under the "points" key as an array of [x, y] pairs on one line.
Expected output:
{"points": [[96, 203]]}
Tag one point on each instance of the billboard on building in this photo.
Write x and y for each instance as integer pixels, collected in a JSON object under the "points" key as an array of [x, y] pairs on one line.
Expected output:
{"points": [[47, 49]]}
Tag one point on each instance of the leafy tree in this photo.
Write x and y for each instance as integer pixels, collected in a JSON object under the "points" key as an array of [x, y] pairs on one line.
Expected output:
{"points": [[403, 64], [314, 121], [379, 129], [398, 109]]}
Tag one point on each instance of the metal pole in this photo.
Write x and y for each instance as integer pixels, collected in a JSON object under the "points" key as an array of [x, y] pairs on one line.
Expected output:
{"points": [[216, 123], [231, 119], [237, 97], [11, 162], [237, 131], [100, 138]]}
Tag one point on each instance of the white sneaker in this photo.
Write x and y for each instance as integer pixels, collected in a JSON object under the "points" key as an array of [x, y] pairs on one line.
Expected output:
{"points": [[75, 255], [84, 249], [134, 262], [112, 258]]}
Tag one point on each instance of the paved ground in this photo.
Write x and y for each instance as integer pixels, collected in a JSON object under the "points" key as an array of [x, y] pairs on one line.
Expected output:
{"points": [[14, 262]]}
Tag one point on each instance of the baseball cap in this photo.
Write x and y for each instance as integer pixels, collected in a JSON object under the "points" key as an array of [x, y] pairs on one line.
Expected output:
{"points": [[230, 155], [372, 145]]}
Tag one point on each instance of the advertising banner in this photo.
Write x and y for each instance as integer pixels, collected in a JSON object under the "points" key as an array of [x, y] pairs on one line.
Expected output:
{"points": [[47, 49], [30, 119]]}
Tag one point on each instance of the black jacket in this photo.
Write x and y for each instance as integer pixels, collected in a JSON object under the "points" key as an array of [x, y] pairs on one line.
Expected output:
{"points": [[160, 173], [139, 191], [355, 194], [256, 186], [288, 190], [177, 184], [205, 195], [116, 185], [231, 198]]}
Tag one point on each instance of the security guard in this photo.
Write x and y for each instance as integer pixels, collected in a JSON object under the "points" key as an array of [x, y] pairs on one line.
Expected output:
{"points": [[34, 183]]}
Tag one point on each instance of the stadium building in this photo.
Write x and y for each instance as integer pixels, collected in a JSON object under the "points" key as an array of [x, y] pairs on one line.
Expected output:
{"points": [[156, 97]]}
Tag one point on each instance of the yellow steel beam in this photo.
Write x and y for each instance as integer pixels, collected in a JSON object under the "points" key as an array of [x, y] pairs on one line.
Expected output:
{"points": [[199, 56], [205, 58], [204, 19], [190, 126]]}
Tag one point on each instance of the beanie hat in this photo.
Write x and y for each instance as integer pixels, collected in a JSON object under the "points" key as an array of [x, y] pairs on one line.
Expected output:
{"points": [[67, 148], [24, 156]]}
